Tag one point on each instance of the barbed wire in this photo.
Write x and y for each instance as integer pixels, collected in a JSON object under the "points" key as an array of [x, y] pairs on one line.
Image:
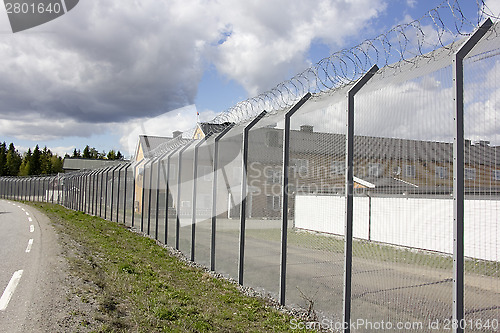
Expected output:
{"points": [[438, 30]]}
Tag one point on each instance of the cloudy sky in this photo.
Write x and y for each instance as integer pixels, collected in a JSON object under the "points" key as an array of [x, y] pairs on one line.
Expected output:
{"points": [[101, 73]]}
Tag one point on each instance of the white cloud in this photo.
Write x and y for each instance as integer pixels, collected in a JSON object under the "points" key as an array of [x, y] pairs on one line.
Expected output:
{"points": [[268, 41], [493, 6]]}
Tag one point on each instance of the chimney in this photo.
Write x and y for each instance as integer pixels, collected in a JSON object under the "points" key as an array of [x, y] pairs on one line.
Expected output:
{"points": [[177, 133], [306, 128]]}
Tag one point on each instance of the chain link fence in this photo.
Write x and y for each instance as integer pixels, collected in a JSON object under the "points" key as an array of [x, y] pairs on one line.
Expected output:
{"points": [[366, 197]]}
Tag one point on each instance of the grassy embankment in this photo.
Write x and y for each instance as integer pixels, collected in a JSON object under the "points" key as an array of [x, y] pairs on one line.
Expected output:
{"points": [[139, 286]]}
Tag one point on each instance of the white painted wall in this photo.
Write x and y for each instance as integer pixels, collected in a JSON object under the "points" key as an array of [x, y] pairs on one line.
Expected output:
{"points": [[413, 222]]}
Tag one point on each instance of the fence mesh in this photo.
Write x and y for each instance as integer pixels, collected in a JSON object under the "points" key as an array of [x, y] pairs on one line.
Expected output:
{"points": [[315, 262], [482, 185]]}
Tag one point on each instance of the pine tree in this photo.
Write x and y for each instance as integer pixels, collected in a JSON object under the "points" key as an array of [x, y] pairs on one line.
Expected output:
{"points": [[57, 164], [13, 161], [111, 155], [76, 153], [36, 163], [3, 159], [25, 168]]}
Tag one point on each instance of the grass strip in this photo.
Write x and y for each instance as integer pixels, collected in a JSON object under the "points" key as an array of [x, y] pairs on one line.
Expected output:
{"points": [[138, 286]]}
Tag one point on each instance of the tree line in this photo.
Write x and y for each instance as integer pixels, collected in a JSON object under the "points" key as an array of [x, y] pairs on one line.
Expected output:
{"points": [[43, 161], [92, 153]]}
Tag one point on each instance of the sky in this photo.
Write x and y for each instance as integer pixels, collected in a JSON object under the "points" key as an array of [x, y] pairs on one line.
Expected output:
{"points": [[107, 71]]}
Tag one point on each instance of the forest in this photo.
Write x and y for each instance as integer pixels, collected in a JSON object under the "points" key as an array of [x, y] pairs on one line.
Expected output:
{"points": [[43, 161]]}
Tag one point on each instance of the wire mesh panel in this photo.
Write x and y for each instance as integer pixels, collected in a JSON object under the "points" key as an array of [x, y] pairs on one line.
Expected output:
{"points": [[113, 193], [130, 193], [161, 199], [184, 208], [144, 198], [228, 203], [121, 193], [107, 182], [93, 192], [315, 261], [203, 202], [153, 201], [138, 182], [482, 186], [403, 210], [263, 198]]}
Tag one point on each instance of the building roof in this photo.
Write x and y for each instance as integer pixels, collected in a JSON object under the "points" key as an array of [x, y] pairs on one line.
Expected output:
{"points": [[263, 141]]}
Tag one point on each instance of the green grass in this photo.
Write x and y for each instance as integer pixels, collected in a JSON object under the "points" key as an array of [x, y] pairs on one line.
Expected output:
{"points": [[138, 286], [376, 251]]}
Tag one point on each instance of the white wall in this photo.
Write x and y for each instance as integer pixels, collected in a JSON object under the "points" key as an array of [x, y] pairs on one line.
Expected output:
{"points": [[413, 222]]}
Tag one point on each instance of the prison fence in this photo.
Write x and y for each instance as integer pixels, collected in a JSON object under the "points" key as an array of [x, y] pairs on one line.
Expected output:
{"points": [[374, 203]]}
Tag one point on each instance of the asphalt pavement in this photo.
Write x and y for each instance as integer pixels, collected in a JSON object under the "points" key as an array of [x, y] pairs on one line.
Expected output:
{"points": [[26, 249]]}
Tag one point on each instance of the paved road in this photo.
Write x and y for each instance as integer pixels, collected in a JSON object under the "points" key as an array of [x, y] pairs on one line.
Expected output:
{"points": [[27, 252]]}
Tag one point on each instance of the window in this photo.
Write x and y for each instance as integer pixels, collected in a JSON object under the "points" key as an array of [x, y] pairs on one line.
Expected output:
{"points": [[495, 174], [273, 202], [273, 176], [470, 173], [410, 171], [442, 172], [338, 167], [299, 166], [375, 170], [272, 139]]}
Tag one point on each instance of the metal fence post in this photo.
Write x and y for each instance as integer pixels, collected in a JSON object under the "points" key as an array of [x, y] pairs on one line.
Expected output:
{"points": [[284, 194], [458, 175], [243, 205], [349, 189]]}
